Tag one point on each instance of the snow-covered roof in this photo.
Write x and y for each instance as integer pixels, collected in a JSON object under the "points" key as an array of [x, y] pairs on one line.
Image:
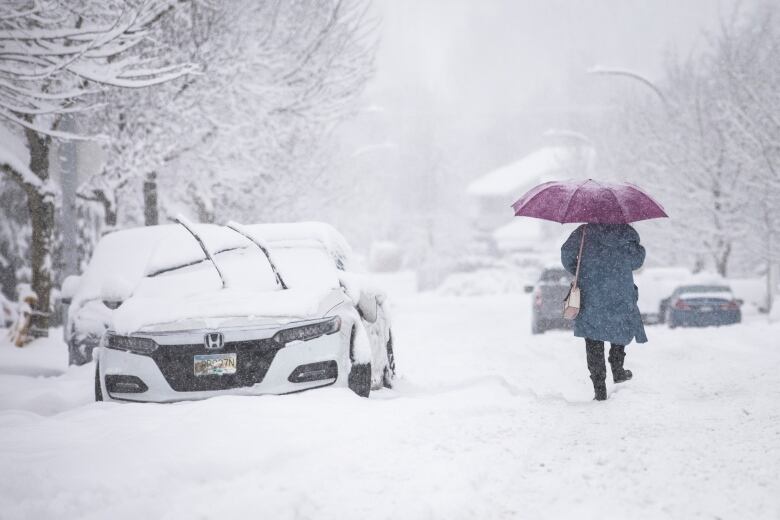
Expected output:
{"points": [[548, 163]]}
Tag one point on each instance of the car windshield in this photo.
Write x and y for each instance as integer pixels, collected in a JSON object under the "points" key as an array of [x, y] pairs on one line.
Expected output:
{"points": [[243, 267], [306, 267], [704, 289], [555, 276], [164, 270]]}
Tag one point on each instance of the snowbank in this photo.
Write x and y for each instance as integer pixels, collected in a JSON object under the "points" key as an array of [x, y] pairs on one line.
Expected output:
{"points": [[485, 422]]}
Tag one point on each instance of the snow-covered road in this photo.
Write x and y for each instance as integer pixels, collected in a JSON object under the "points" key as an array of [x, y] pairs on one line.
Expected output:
{"points": [[486, 421]]}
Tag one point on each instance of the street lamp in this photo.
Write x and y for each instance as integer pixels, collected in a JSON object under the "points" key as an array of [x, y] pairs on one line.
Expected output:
{"points": [[632, 75]]}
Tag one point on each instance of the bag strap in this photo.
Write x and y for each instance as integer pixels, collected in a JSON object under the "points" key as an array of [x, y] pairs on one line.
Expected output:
{"points": [[579, 256]]}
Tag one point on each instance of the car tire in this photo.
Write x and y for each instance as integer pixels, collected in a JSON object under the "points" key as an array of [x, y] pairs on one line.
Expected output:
{"points": [[359, 379], [668, 319], [536, 327], [98, 388], [74, 355], [389, 372]]}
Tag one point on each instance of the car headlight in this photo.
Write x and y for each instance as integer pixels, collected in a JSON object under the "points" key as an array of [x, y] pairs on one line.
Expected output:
{"points": [[307, 332], [132, 344]]}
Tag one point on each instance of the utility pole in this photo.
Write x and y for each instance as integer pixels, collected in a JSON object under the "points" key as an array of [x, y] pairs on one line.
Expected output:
{"points": [[68, 156]]}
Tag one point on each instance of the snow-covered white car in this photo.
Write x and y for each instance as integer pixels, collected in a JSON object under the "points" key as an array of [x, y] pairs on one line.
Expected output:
{"points": [[213, 311]]}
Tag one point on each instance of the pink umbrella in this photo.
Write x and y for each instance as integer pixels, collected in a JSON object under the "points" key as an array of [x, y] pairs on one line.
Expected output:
{"points": [[589, 201]]}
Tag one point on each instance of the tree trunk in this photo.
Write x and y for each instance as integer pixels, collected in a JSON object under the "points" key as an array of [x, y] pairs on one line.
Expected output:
{"points": [[722, 260], [41, 207], [109, 210], [151, 210], [110, 216]]}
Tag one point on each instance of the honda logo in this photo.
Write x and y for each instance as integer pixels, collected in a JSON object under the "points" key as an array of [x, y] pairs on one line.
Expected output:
{"points": [[214, 340]]}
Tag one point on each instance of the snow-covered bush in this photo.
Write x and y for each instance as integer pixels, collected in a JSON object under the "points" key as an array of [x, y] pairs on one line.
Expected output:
{"points": [[385, 257], [488, 281]]}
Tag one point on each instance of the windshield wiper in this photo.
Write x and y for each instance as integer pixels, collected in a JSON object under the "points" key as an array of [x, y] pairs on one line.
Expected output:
{"points": [[180, 219], [241, 230], [189, 264]]}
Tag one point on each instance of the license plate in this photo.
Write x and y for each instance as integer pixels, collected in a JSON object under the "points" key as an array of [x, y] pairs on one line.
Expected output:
{"points": [[706, 309], [215, 364]]}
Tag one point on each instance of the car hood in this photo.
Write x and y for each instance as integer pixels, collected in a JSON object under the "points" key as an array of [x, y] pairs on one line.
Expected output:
{"points": [[219, 308]]}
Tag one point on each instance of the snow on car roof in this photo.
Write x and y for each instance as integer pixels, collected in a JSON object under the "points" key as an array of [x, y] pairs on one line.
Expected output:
{"points": [[703, 290], [303, 234]]}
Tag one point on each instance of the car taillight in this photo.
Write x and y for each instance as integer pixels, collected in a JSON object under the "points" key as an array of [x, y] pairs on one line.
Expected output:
{"points": [[730, 306], [538, 298], [682, 305]]}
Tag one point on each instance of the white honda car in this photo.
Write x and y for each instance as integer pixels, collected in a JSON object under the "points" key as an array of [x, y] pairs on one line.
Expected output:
{"points": [[263, 309]]}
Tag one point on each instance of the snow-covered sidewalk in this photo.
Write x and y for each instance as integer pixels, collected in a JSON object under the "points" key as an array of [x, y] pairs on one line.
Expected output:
{"points": [[486, 421]]}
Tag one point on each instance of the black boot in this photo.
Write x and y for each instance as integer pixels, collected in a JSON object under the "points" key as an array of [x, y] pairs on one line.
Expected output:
{"points": [[617, 353], [598, 369]]}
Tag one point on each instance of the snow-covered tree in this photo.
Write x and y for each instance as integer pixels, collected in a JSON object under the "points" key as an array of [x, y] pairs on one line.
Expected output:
{"points": [[250, 130], [54, 57], [709, 146]]}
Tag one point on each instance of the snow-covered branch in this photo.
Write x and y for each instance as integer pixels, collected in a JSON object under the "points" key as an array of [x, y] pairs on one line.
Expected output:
{"points": [[54, 58]]}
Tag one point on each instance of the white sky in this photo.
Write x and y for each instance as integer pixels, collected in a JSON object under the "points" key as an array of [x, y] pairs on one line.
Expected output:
{"points": [[487, 55]]}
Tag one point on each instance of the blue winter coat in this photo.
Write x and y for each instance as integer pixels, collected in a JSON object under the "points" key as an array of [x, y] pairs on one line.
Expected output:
{"points": [[608, 306]]}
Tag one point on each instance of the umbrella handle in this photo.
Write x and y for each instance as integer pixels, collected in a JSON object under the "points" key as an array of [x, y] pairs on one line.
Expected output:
{"points": [[579, 256]]}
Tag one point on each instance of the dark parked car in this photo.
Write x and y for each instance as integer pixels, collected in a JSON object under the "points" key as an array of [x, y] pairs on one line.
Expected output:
{"points": [[702, 306], [549, 293]]}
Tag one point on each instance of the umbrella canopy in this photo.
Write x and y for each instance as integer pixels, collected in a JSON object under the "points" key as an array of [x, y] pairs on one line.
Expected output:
{"points": [[589, 201]]}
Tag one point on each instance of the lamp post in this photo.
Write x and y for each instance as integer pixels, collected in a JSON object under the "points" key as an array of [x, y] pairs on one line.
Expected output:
{"points": [[603, 71]]}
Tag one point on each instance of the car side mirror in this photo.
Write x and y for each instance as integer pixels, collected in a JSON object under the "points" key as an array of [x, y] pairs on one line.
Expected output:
{"points": [[114, 291], [740, 302], [368, 306], [528, 289], [69, 287]]}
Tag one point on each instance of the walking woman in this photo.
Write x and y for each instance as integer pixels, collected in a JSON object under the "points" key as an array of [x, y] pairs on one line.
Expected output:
{"points": [[608, 308]]}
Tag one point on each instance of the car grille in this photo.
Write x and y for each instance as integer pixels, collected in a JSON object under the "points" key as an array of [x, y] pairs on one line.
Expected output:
{"points": [[253, 358]]}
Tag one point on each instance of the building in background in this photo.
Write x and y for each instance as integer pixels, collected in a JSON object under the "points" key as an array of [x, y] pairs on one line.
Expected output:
{"points": [[492, 195]]}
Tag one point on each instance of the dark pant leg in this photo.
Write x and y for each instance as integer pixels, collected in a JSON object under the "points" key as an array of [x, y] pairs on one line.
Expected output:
{"points": [[595, 355], [617, 353]]}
